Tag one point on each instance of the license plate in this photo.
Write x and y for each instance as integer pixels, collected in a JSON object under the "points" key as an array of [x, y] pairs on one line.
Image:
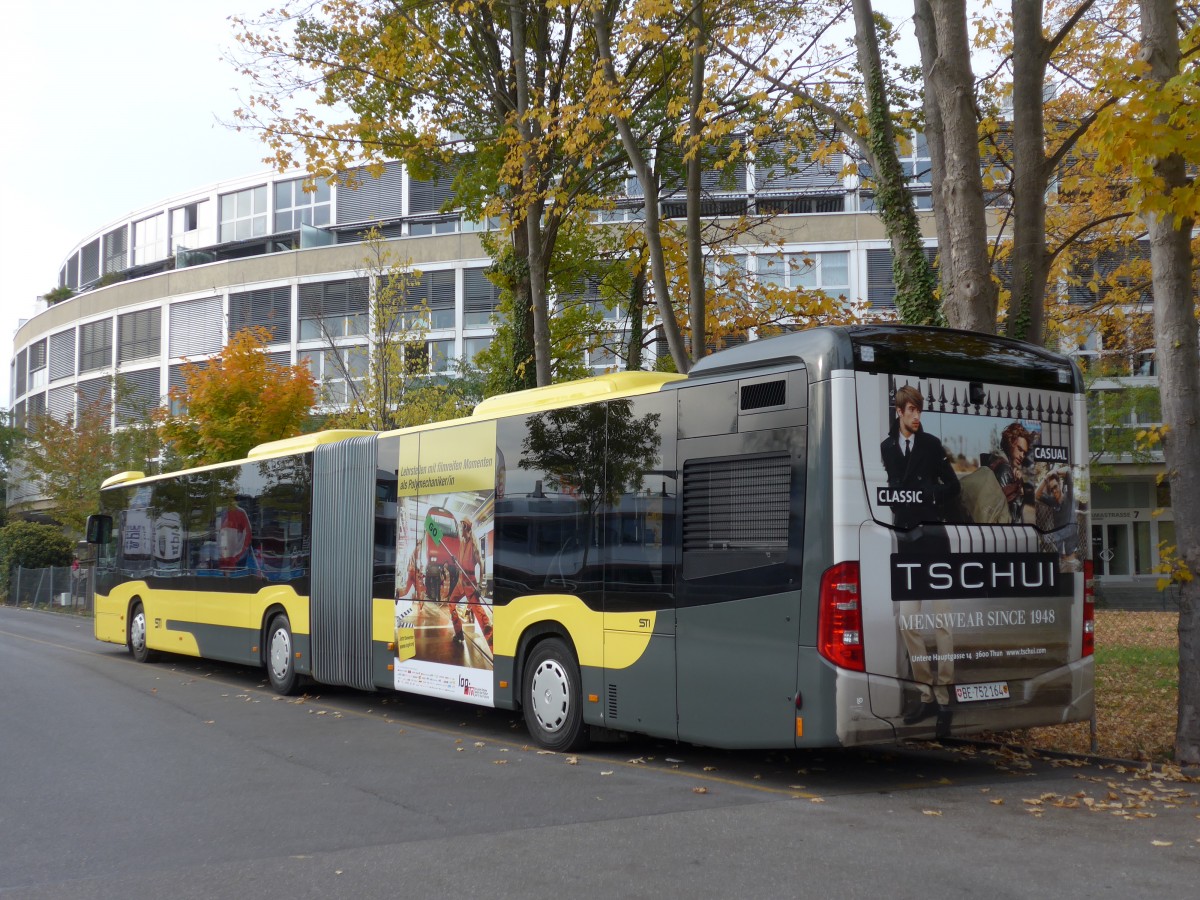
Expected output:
{"points": [[989, 690]]}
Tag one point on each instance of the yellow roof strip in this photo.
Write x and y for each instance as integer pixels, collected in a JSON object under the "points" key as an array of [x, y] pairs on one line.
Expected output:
{"points": [[121, 478], [601, 387], [304, 442]]}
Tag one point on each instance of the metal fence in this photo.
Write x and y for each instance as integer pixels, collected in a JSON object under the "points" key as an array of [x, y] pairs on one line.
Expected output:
{"points": [[59, 587]]}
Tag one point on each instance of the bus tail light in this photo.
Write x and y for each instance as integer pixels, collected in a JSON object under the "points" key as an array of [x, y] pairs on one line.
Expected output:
{"points": [[1089, 609], [839, 619]]}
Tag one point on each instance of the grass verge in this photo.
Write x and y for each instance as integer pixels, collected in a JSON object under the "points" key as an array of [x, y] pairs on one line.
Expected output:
{"points": [[1137, 691]]}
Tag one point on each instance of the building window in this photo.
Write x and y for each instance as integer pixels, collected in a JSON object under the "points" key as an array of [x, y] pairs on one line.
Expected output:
{"points": [[244, 214], [440, 355], [270, 308], [472, 347], [425, 227], [295, 206], [336, 371], [139, 335], [781, 171], [915, 160], [430, 197], [37, 365], [603, 359], [116, 251], [480, 298], [95, 345], [427, 300], [150, 240], [828, 271], [89, 263], [725, 274], [138, 397], [192, 226], [196, 327], [333, 309], [62, 354], [881, 281]]}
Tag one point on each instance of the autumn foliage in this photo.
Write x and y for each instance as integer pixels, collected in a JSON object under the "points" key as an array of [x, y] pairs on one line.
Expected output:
{"points": [[236, 401]]}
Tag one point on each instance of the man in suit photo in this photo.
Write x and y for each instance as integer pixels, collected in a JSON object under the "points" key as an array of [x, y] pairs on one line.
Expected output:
{"points": [[922, 484]]}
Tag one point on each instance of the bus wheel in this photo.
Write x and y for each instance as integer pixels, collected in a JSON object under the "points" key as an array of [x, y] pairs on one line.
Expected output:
{"points": [[281, 661], [137, 636], [550, 697]]}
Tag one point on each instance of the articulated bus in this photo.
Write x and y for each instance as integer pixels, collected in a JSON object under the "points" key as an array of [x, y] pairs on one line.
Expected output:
{"points": [[833, 537]]}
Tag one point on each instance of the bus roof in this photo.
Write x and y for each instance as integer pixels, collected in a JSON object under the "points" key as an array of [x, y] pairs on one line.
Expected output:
{"points": [[821, 349]]}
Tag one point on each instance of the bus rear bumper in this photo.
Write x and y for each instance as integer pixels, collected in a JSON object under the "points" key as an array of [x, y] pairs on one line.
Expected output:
{"points": [[900, 709]]}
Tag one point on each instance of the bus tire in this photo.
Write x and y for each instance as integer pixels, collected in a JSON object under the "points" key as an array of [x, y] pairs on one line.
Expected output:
{"points": [[550, 697], [281, 658], [136, 638]]}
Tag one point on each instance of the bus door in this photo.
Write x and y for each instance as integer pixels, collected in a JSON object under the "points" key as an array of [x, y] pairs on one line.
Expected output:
{"points": [[974, 543], [742, 450], [638, 548]]}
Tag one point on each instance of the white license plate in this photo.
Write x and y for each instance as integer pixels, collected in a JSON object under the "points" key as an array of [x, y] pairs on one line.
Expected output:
{"points": [[989, 690]]}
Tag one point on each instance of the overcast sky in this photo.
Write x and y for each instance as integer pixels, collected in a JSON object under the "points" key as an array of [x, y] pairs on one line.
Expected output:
{"points": [[107, 108]]}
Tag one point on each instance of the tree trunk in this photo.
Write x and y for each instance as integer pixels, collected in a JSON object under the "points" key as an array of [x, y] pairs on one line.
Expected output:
{"points": [[533, 209], [969, 297], [914, 279], [524, 368], [1179, 381], [635, 315], [1030, 263], [649, 182], [695, 240], [935, 134]]}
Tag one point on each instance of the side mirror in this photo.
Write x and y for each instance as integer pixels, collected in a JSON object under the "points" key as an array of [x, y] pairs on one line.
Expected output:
{"points": [[99, 529]]}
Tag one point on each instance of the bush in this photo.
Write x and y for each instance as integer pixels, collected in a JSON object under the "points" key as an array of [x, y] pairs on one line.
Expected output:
{"points": [[32, 546], [58, 295]]}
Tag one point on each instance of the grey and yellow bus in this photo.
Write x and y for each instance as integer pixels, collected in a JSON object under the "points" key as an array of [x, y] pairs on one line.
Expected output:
{"points": [[831, 537]]}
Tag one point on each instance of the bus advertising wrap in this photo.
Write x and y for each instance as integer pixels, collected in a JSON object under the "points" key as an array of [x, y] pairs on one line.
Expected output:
{"points": [[977, 500], [444, 551]]}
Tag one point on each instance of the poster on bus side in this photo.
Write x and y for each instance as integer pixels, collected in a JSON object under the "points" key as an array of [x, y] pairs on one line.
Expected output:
{"points": [[446, 498], [952, 467]]}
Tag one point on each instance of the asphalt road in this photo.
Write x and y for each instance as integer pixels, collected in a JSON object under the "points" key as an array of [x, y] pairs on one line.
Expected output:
{"points": [[189, 779]]}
